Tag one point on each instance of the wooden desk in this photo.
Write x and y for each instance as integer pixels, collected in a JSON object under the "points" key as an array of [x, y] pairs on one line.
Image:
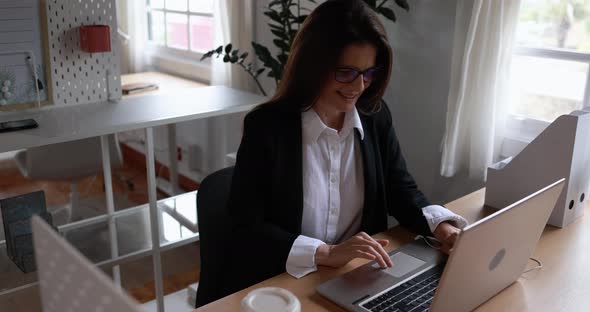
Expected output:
{"points": [[562, 285]]}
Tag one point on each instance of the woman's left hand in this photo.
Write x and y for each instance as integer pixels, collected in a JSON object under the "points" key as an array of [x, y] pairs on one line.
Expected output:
{"points": [[446, 234]]}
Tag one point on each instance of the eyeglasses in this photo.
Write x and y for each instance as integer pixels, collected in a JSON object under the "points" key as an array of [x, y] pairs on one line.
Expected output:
{"points": [[348, 75]]}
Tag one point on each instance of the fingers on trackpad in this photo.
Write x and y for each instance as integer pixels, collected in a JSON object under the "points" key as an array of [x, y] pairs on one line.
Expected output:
{"points": [[402, 264]]}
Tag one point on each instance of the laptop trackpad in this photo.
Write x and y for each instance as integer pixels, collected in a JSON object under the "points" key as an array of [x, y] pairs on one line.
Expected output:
{"points": [[402, 264]]}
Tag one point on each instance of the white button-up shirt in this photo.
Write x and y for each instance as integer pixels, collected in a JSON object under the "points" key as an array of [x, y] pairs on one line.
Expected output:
{"points": [[333, 190]]}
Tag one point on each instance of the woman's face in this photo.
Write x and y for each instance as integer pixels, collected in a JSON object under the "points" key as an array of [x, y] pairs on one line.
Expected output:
{"points": [[340, 96]]}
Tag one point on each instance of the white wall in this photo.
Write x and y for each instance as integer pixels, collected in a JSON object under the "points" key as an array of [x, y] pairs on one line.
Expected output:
{"points": [[422, 40]]}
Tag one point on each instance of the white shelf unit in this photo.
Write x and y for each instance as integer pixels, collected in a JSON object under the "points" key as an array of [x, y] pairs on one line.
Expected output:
{"points": [[58, 124]]}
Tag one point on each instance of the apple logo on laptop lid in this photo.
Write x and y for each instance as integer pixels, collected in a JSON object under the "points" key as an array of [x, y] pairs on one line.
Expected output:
{"points": [[497, 259]]}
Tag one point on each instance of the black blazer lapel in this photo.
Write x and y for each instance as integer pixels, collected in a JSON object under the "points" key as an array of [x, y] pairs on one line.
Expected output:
{"points": [[370, 175], [289, 183]]}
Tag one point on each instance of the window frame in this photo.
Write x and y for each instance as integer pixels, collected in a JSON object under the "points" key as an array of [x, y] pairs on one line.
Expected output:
{"points": [[520, 129], [183, 62]]}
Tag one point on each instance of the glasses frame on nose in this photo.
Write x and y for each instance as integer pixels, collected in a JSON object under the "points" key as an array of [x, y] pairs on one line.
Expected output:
{"points": [[354, 73]]}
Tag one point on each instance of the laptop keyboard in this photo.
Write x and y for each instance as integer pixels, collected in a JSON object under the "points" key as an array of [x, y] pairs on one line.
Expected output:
{"points": [[415, 295]]}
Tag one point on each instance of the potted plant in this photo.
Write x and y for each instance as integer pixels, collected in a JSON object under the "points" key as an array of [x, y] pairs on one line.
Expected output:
{"points": [[286, 17]]}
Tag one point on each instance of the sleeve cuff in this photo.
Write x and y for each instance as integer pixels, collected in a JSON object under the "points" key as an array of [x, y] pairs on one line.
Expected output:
{"points": [[436, 214], [301, 260]]}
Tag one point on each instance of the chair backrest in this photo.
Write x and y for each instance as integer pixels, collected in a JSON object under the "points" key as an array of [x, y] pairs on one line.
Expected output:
{"points": [[69, 160], [214, 225]]}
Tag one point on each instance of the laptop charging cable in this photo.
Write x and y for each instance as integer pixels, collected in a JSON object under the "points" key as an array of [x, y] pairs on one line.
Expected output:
{"points": [[430, 241], [538, 267]]}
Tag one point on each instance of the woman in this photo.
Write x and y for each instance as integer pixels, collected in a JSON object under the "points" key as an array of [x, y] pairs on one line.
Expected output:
{"points": [[319, 166]]}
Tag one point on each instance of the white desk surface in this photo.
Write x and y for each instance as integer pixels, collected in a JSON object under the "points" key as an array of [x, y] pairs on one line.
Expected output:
{"points": [[67, 123]]}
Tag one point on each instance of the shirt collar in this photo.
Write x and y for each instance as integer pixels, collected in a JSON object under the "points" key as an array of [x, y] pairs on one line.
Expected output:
{"points": [[313, 126]]}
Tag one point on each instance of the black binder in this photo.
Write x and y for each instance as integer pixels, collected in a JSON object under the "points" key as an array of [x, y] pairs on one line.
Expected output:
{"points": [[16, 216]]}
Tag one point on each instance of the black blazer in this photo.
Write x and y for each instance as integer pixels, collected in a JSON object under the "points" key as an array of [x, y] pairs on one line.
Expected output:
{"points": [[266, 197]]}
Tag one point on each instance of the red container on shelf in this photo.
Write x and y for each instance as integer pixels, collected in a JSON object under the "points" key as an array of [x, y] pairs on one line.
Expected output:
{"points": [[95, 38]]}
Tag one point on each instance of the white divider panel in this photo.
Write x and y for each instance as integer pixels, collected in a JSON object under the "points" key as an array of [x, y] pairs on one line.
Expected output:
{"points": [[79, 77]]}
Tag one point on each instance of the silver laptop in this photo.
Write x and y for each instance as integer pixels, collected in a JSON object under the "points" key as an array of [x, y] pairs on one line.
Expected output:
{"points": [[488, 256], [68, 281]]}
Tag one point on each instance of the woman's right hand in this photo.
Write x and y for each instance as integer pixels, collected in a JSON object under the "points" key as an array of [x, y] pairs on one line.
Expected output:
{"points": [[359, 246]]}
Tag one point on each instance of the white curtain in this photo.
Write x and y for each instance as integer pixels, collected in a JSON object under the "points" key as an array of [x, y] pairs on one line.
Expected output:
{"points": [[234, 23], [478, 88], [137, 23]]}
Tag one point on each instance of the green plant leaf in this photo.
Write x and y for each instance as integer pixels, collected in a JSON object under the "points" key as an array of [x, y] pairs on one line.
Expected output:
{"points": [[403, 4], [260, 71], [275, 27], [275, 2], [285, 14], [228, 48], [388, 13], [235, 52], [242, 57], [207, 55], [233, 58], [281, 44], [276, 69], [219, 49], [274, 15], [283, 58], [279, 34], [226, 58], [371, 3]]}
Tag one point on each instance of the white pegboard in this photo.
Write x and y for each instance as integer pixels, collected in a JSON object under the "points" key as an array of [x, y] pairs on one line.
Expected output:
{"points": [[79, 77]]}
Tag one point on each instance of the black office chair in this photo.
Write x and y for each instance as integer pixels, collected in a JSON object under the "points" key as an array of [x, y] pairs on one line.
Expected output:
{"points": [[214, 223]]}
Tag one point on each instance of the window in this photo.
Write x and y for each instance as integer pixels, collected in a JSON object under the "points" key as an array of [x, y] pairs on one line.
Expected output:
{"points": [[550, 73], [180, 32], [181, 24]]}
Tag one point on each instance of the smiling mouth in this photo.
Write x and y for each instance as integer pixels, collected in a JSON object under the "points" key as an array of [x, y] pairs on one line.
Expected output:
{"points": [[348, 96]]}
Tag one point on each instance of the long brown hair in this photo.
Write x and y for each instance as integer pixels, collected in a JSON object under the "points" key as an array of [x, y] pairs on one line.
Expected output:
{"points": [[316, 49]]}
